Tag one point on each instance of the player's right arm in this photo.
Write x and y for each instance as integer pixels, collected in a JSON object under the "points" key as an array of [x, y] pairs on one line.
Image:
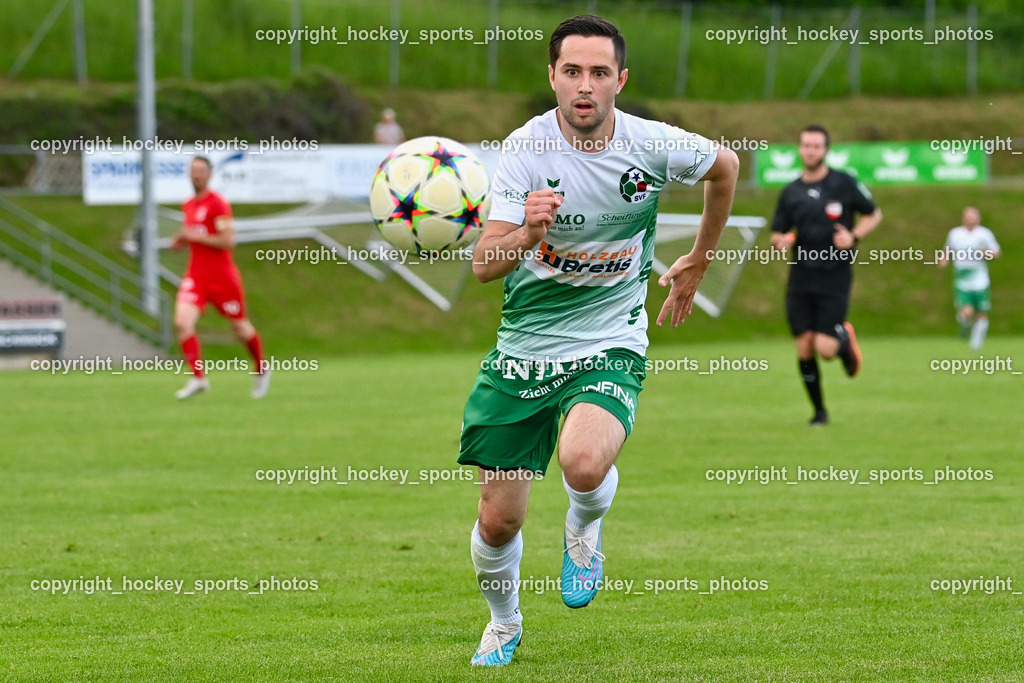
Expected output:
{"points": [[781, 224], [503, 245]]}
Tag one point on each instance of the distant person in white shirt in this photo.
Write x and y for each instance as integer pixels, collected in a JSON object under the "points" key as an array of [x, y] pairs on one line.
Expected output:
{"points": [[970, 247], [387, 131]]}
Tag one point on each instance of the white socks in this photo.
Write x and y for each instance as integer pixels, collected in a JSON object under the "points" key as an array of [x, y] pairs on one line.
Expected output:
{"points": [[497, 573], [586, 508], [978, 333], [497, 569]]}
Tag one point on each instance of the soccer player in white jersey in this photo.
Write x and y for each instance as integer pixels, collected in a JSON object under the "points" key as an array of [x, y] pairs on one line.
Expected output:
{"points": [[971, 246], [571, 231]]}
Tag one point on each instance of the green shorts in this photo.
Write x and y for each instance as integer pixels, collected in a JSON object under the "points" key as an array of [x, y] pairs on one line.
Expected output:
{"points": [[978, 299], [512, 415]]}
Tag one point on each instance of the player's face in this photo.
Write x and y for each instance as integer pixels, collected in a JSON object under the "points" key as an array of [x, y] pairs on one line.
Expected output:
{"points": [[971, 217], [586, 79], [200, 175], [812, 150]]}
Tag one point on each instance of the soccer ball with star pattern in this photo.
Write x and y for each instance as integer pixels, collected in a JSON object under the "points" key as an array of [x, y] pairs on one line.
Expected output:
{"points": [[430, 194]]}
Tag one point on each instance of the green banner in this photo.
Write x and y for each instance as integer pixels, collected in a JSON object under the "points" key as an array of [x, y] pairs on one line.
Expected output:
{"points": [[879, 163]]}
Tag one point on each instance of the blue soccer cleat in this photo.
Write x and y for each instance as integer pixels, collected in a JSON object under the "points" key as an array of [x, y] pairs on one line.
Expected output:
{"points": [[582, 566], [498, 644]]}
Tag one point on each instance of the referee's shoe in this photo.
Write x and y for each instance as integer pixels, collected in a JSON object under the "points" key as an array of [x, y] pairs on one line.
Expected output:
{"points": [[849, 351]]}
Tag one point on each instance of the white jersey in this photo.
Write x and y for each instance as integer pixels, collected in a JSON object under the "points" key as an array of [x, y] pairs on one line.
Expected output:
{"points": [[582, 288], [970, 268]]}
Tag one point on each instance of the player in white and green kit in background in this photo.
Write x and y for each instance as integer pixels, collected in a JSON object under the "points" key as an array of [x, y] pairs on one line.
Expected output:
{"points": [[971, 246], [571, 230]]}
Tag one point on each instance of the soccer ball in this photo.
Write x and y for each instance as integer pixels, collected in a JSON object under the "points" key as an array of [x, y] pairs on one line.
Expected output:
{"points": [[430, 194]]}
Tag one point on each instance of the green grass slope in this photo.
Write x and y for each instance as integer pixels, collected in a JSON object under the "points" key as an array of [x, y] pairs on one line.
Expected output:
{"points": [[319, 310]]}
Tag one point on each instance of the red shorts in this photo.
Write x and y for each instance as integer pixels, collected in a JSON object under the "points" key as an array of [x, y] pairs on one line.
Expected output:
{"points": [[224, 291]]}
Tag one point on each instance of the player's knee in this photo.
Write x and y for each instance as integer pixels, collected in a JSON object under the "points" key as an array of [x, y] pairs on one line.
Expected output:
{"points": [[498, 527], [584, 471], [805, 346], [184, 328], [827, 349], [243, 329]]}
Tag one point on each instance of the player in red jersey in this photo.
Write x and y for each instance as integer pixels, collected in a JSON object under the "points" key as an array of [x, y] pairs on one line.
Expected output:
{"points": [[211, 277]]}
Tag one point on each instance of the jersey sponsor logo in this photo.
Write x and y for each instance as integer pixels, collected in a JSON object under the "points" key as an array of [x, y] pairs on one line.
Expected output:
{"points": [[614, 391], [588, 262], [635, 185], [592, 264], [515, 197], [567, 219], [553, 184]]}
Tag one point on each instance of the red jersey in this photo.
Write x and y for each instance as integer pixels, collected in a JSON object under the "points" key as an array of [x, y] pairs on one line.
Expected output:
{"points": [[205, 260]]}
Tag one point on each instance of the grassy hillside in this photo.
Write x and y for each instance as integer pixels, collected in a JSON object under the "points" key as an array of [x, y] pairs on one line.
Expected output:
{"points": [[326, 309], [322, 308]]}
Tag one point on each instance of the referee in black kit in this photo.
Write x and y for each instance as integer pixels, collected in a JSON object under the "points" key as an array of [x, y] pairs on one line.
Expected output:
{"points": [[821, 204]]}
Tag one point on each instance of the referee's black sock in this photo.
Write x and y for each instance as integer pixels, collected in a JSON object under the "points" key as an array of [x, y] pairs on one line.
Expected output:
{"points": [[809, 372]]}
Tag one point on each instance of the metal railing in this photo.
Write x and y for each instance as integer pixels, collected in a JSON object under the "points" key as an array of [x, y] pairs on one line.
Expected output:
{"points": [[82, 272]]}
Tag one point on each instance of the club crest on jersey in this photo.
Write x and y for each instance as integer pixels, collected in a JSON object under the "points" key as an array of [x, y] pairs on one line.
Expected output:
{"points": [[635, 185]]}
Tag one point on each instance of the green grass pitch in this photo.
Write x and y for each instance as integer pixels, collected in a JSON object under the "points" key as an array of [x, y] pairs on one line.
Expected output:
{"points": [[109, 476]]}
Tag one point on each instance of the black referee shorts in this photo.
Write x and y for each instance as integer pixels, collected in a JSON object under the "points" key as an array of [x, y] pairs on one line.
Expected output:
{"points": [[817, 300]]}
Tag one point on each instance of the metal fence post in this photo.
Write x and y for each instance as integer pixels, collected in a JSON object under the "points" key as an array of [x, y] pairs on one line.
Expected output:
{"points": [[854, 66], [773, 55], [296, 45], [972, 50], [492, 50], [81, 67], [684, 49], [186, 39], [394, 54]]}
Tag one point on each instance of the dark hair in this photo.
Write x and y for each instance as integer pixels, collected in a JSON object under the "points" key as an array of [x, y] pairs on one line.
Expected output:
{"points": [[205, 160], [587, 25], [817, 128]]}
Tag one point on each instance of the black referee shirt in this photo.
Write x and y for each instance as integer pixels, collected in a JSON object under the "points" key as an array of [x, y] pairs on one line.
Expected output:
{"points": [[803, 206]]}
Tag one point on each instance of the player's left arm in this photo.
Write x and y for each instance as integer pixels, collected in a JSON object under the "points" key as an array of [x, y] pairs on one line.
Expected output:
{"points": [[866, 224], [687, 272], [993, 251]]}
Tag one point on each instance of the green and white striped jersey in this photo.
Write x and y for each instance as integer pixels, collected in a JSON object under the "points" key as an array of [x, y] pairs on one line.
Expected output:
{"points": [[966, 248], [582, 289]]}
